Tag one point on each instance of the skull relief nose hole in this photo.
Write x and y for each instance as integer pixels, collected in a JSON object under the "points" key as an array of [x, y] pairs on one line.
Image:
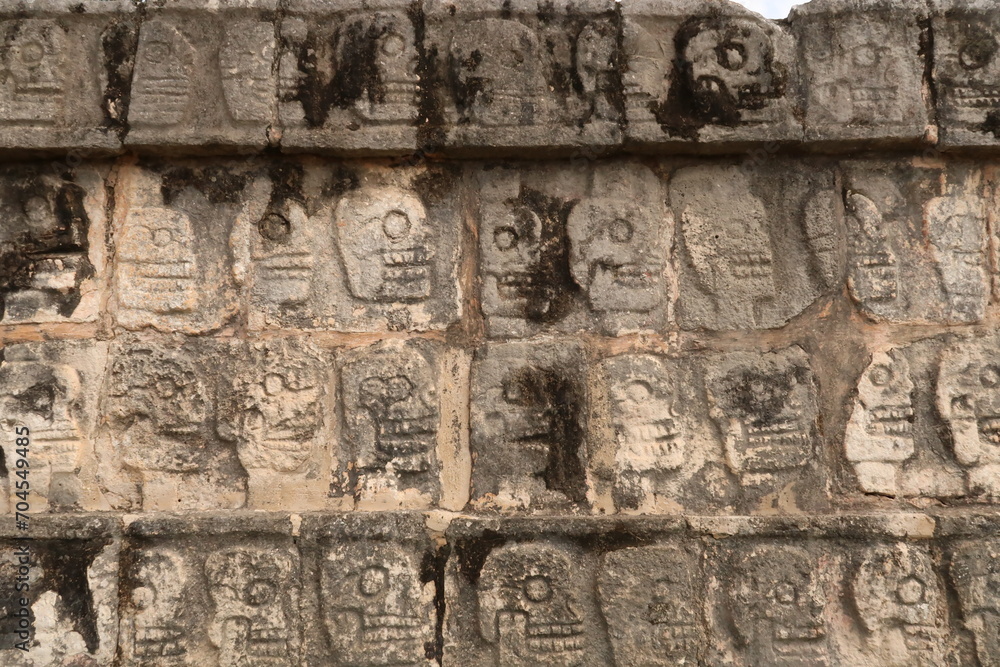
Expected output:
{"points": [[910, 591], [274, 227], [621, 231], [732, 55], [259, 592], [373, 581], [505, 238], [537, 589], [396, 225]]}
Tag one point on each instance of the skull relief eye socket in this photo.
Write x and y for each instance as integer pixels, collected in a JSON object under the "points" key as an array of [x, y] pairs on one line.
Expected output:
{"points": [[259, 592], [621, 231], [880, 375], [373, 390], [865, 56], [396, 225], [505, 238], [785, 593], [911, 591], [638, 391], [732, 55], [32, 53], [978, 53], [990, 376], [373, 580], [157, 52], [165, 388], [400, 388], [143, 597], [274, 227], [273, 384], [537, 588], [162, 237], [393, 44]]}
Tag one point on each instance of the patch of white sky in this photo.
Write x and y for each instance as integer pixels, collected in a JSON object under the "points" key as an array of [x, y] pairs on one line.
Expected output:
{"points": [[772, 9]]}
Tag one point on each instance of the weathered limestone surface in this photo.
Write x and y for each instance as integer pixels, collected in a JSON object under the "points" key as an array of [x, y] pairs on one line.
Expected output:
{"points": [[573, 334]]}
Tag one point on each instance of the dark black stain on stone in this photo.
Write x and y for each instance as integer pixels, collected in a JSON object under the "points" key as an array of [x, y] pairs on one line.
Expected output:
{"points": [[119, 43], [430, 114], [433, 570], [696, 101], [218, 184], [992, 124], [472, 553], [286, 187], [559, 400], [342, 180], [550, 296], [45, 228], [761, 397]]}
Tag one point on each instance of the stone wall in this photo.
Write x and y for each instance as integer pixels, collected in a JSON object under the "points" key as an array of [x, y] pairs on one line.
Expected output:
{"points": [[521, 333]]}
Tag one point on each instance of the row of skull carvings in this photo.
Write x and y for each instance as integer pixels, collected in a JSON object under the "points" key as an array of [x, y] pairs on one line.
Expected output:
{"points": [[402, 75], [282, 423], [610, 247], [368, 592]]}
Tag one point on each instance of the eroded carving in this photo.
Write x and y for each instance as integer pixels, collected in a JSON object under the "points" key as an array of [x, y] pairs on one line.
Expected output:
{"points": [[159, 632], [374, 605], [246, 60], [874, 275], [956, 226], [389, 93], [34, 79], [967, 74], [650, 598], [162, 87], [975, 573], [530, 608]]}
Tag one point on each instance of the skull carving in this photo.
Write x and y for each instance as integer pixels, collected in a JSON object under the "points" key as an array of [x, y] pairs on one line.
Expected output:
{"points": [[596, 46], [724, 227], [373, 605], [498, 82], [766, 406], [957, 230], [33, 64], [250, 590], [650, 595], [157, 404], [617, 247], [156, 269], [392, 411], [645, 78], [728, 64], [283, 411], [44, 397], [975, 572], [880, 431], [284, 257], [245, 60], [159, 635], [968, 398], [385, 42], [967, 61], [643, 414], [899, 599], [530, 608], [874, 277], [777, 606], [161, 87], [386, 244]]}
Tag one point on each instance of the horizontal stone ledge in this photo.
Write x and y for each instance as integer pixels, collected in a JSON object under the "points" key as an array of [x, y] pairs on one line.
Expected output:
{"points": [[488, 78]]}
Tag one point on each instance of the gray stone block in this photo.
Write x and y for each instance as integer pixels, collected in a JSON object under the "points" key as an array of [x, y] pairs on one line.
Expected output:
{"points": [[918, 249], [352, 248], [523, 76], [967, 72], [205, 76], [166, 438], [974, 575], [863, 64], [528, 421], [223, 597], [52, 244], [52, 390], [67, 67], [757, 243], [574, 249], [707, 73], [351, 76]]}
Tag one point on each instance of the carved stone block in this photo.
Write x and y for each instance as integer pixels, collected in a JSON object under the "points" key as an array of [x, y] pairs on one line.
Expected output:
{"points": [[167, 440], [703, 72], [975, 575], [967, 72], [352, 249], [570, 250], [765, 406], [652, 446], [372, 595], [67, 573], [284, 414], [757, 244], [205, 76], [52, 390], [526, 75], [863, 68], [351, 76], [395, 406], [67, 67], [918, 246], [172, 226], [215, 592], [528, 421], [52, 242]]}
